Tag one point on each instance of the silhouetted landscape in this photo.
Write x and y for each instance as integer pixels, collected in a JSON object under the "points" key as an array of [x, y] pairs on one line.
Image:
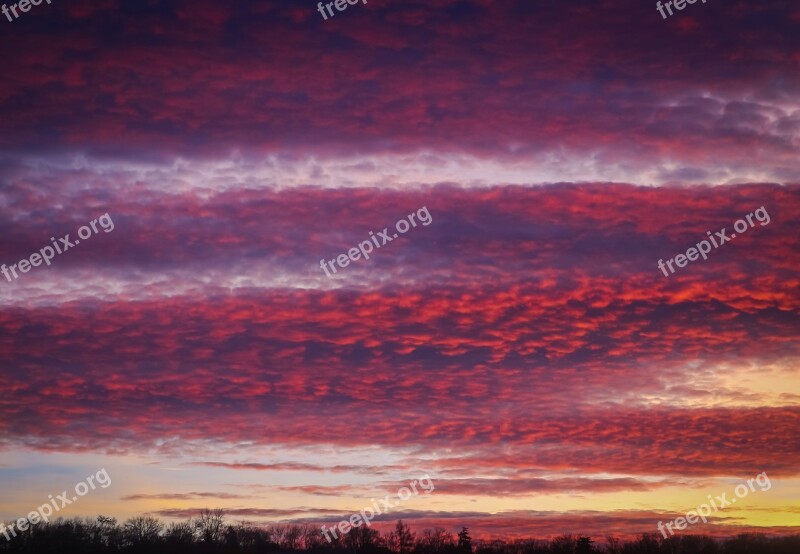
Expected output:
{"points": [[210, 532]]}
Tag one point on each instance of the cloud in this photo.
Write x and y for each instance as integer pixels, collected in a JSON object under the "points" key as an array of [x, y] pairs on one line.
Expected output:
{"points": [[624, 96], [186, 513], [523, 316], [292, 466], [184, 496]]}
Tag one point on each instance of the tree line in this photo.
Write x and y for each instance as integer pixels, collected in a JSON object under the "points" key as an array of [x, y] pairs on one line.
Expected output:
{"points": [[210, 533]]}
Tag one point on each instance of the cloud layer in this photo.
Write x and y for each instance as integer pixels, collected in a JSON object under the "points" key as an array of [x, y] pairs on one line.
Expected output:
{"points": [[523, 345]]}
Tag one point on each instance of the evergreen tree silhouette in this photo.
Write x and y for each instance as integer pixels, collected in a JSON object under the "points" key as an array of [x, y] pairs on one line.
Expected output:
{"points": [[464, 541]]}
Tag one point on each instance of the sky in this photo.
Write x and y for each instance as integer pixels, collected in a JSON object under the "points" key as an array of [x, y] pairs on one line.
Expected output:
{"points": [[518, 345]]}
